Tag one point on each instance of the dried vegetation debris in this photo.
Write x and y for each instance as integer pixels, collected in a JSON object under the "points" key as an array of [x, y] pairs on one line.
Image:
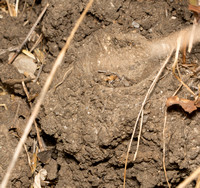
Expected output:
{"points": [[88, 118], [188, 105]]}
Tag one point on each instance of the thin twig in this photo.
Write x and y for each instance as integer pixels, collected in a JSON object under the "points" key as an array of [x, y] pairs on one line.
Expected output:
{"points": [[17, 81], [193, 176], [39, 72], [177, 90], [11, 49], [28, 157], [29, 34], [37, 42], [141, 109], [41, 97]]}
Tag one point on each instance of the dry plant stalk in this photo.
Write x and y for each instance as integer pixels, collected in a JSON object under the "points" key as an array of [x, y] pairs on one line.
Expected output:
{"points": [[139, 135], [140, 114], [193, 176], [42, 95], [177, 41]]}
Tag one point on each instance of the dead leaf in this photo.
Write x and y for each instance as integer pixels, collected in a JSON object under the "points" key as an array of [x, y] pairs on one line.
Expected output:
{"points": [[187, 105], [197, 103], [40, 55], [39, 177]]}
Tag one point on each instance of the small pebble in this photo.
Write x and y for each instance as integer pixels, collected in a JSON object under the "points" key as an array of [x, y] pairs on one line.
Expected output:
{"points": [[135, 24], [150, 30], [126, 83], [24, 64]]}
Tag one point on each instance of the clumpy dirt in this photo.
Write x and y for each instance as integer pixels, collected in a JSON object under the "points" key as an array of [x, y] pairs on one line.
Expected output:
{"points": [[86, 121]]}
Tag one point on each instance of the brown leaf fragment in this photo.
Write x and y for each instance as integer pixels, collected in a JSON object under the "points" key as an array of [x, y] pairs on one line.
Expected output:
{"points": [[172, 100], [187, 105], [197, 103]]}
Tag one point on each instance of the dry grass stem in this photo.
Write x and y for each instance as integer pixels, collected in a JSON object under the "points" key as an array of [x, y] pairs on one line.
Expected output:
{"points": [[29, 34], [17, 81], [16, 6], [139, 136], [28, 157], [41, 97], [164, 166], [14, 48], [193, 176], [10, 9], [35, 123], [192, 35], [142, 108], [39, 72], [64, 77], [177, 89], [175, 64], [37, 42]]}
